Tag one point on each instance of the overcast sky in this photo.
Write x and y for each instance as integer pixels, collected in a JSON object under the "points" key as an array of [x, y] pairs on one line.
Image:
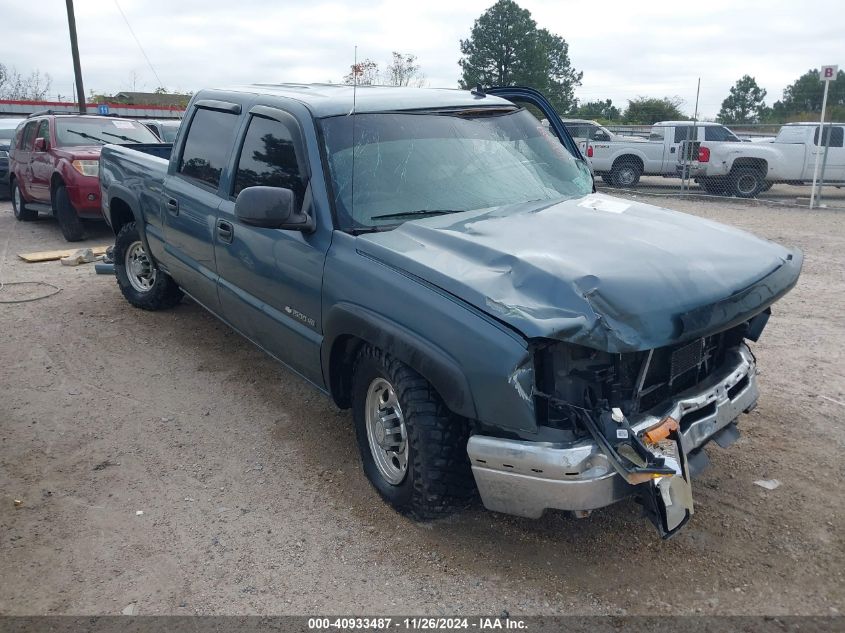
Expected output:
{"points": [[625, 49]]}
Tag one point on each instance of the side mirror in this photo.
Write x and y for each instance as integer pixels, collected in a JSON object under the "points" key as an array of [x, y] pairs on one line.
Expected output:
{"points": [[40, 145], [271, 208]]}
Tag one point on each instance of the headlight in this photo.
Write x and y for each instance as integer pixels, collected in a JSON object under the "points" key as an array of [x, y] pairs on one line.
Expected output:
{"points": [[87, 167]]}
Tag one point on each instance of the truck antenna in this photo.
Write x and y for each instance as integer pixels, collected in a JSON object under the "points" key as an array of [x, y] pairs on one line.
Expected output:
{"points": [[352, 111]]}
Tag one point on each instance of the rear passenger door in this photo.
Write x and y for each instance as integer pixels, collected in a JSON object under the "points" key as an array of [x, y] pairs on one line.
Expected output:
{"points": [[191, 198], [41, 165], [23, 154], [270, 279]]}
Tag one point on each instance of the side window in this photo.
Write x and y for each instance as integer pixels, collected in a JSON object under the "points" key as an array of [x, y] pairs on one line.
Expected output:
{"points": [[683, 133], [719, 133], [208, 145], [657, 134], [268, 158], [28, 135], [835, 133], [44, 130]]}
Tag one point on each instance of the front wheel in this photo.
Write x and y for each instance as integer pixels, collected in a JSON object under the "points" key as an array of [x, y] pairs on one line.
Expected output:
{"points": [[139, 278], [22, 213], [412, 448], [69, 221]]}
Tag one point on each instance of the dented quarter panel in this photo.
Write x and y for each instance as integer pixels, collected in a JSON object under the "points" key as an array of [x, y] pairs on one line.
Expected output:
{"points": [[602, 272]]}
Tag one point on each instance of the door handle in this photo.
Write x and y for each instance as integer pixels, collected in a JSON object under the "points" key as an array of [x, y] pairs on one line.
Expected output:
{"points": [[172, 205], [225, 231]]}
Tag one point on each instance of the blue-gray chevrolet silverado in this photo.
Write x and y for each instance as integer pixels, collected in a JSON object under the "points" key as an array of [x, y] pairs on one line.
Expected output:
{"points": [[439, 262]]}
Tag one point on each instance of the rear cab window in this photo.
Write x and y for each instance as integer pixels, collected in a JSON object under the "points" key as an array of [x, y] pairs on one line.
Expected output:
{"points": [[208, 146], [835, 134]]}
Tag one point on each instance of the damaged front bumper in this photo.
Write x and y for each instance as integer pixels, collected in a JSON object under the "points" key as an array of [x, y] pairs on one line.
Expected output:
{"points": [[525, 478]]}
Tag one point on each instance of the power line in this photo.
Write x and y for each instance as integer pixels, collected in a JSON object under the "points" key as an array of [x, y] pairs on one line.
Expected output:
{"points": [[138, 42]]}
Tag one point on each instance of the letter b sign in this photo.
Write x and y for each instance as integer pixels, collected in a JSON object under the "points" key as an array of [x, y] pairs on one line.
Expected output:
{"points": [[829, 73]]}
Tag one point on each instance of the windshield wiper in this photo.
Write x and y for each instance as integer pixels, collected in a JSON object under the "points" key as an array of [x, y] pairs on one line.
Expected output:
{"points": [[85, 135], [124, 138], [408, 214]]}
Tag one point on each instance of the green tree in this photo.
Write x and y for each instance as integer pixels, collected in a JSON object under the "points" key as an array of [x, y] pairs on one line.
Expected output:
{"points": [[506, 48], [649, 110], [604, 110], [744, 104], [805, 95]]}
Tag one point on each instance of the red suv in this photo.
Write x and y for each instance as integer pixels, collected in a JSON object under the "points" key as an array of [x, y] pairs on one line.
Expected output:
{"points": [[55, 165]]}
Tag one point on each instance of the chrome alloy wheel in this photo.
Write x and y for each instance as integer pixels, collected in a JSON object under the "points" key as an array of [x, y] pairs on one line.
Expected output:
{"points": [[386, 431], [139, 268]]}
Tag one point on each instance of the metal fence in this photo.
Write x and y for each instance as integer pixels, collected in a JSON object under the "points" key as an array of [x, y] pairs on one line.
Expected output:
{"points": [[771, 162]]}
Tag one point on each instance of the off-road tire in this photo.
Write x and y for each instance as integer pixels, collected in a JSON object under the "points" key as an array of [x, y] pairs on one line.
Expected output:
{"points": [[741, 179], [69, 221], [438, 481], [164, 292], [22, 213], [625, 174]]}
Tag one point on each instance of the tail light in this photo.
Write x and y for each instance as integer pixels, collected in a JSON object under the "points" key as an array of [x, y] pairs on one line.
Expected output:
{"points": [[590, 152], [703, 154]]}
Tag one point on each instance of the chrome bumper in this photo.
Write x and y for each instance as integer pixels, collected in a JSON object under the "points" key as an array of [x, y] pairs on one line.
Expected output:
{"points": [[525, 478]]}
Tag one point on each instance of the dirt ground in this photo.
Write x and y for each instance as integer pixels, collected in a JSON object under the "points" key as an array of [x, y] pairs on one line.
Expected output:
{"points": [[253, 500]]}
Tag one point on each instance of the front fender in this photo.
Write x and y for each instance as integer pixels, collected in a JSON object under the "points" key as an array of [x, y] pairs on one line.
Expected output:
{"points": [[430, 361]]}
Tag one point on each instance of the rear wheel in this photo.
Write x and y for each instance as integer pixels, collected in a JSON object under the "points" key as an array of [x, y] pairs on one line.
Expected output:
{"points": [[22, 213], [141, 282], [746, 182], [626, 174], [69, 221], [413, 449]]}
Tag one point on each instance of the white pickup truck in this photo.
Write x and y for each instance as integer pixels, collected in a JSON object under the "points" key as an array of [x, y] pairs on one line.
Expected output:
{"points": [[621, 162], [746, 169]]}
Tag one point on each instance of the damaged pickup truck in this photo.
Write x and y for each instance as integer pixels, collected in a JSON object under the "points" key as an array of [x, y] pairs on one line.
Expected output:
{"points": [[438, 261]]}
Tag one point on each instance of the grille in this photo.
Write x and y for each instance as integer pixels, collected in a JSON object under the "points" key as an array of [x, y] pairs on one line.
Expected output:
{"points": [[686, 358]]}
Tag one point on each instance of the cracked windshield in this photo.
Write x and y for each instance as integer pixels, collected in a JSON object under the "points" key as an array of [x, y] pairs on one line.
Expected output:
{"points": [[408, 166]]}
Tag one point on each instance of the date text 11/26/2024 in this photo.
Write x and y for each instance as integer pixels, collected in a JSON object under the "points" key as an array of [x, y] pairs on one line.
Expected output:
{"points": [[415, 624]]}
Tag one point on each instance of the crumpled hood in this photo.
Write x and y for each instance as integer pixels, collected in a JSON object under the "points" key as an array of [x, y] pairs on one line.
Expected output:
{"points": [[599, 271]]}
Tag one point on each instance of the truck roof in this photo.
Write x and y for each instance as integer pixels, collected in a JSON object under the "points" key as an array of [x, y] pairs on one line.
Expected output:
{"points": [[682, 123], [335, 99]]}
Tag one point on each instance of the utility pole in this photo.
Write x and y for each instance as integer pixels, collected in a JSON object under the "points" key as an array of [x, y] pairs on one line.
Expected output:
{"points": [[74, 51]]}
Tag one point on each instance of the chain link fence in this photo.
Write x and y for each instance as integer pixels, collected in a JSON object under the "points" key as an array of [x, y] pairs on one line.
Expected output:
{"points": [[767, 161]]}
